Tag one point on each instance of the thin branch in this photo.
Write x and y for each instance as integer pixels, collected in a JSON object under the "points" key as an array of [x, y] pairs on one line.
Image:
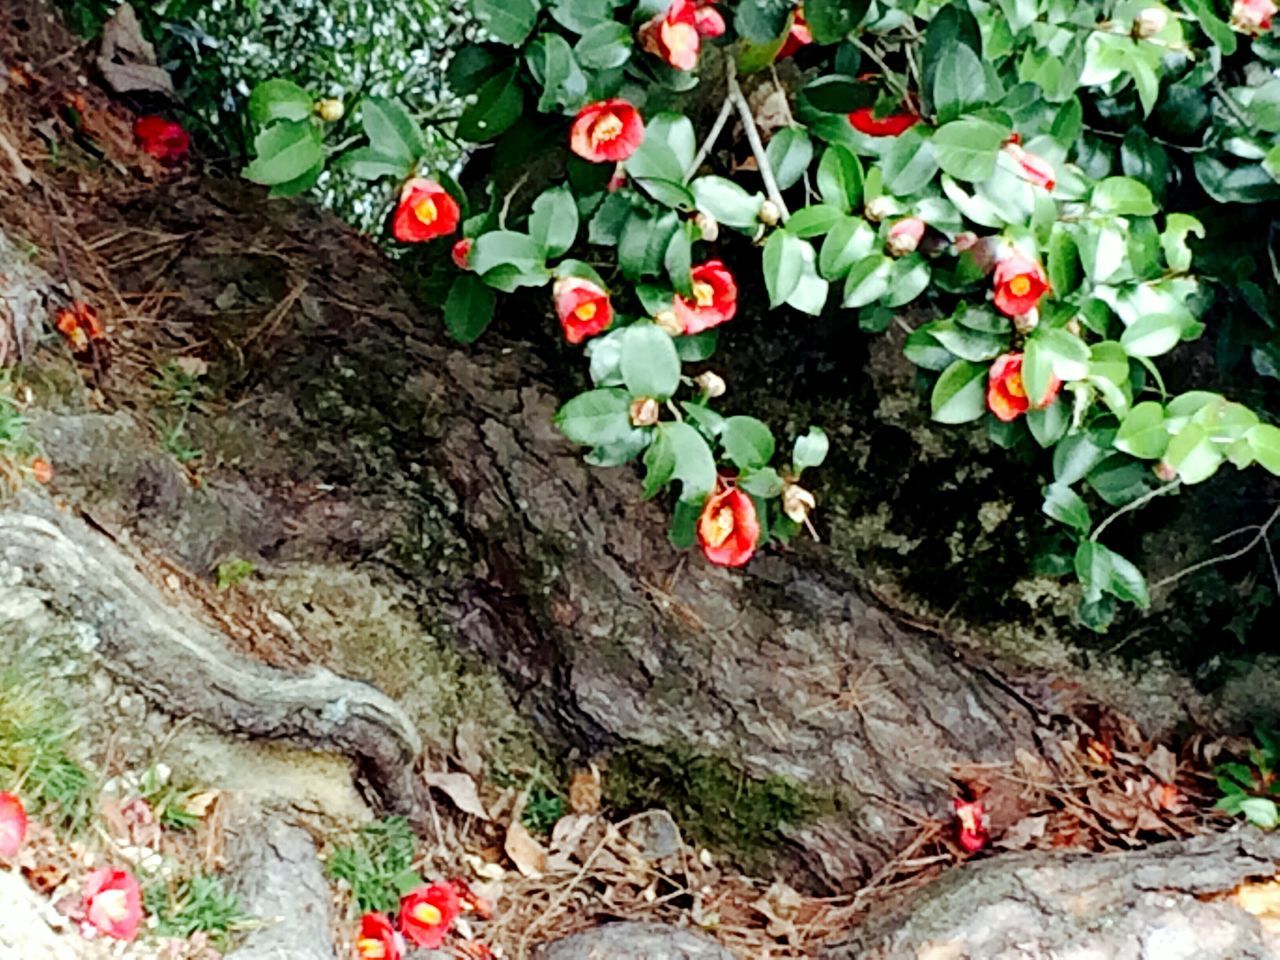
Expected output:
{"points": [[889, 76], [506, 201], [1142, 501], [716, 129], [1260, 536], [757, 147]]}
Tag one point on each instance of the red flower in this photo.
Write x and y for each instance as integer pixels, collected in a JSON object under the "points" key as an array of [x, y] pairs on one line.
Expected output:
{"points": [[799, 36], [1019, 283], [583, 308], [1007, 395], [113, 903], [462, 253], [378, 939], [708, 21], [42, 473], [1032, 168], [973, 824], [728, 529], [905, 236], [865, 121], [79, 324], [163, 139], [13, 824], [426, 211], [606, 131], [427, 913], [715, 298], [1253, 16], [674, 35]]}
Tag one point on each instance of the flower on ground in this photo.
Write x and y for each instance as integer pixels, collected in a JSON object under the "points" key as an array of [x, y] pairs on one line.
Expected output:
{"points": [[675, 34], [728, 529], [163, 139], [427, 913], [1019, 284], [797, 37], [378, 939], [462, 253], [1032, 167], [42, 472], [113, 903], [583, 308], [607, 131], [13, 824], [80, 324], [714, 300], [1253, 16], [426, 211], [973, 832], [865, 121], [1007, 395]]}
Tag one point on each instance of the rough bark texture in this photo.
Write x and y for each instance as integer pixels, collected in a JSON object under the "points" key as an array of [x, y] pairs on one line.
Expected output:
{"points": [[1163, 903]]}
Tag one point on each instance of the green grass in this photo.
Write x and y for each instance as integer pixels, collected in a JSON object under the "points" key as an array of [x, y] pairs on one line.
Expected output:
{"points": [[36, 754], [543, 809], [233, 572], [180, 394], [378, 865], [168, 800], [198, 904]]}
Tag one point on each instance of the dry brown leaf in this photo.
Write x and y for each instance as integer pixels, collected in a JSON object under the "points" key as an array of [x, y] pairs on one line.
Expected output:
{"points": [[529, 856], [585, 792], [1024, 833], [127, 60], [468, 743], [461, 789], [1163, 764]]}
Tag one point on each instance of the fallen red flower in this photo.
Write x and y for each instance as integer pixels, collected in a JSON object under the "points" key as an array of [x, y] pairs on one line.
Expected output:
{"points": [[378, 939], [163, 139], [607, 131], [80, 324], [427, 914], [13, 825], [973, 831], [113, 903]]}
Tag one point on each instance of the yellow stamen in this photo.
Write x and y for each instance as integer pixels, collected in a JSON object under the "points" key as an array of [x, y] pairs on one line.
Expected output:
{"points": [[1013, 384], [427, 913], [704, 294], [717, 530], [372, 949], [1020, 285], [607, 128], [425, 210], [587, 311]]}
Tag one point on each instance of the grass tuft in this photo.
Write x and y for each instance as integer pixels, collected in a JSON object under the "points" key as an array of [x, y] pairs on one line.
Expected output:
{"points": [[378, 865]]}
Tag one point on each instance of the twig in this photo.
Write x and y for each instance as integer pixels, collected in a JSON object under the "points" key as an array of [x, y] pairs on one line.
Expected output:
{"points": [[889, 76], [1134, 505], [716, 129], [757, 147], [1260, 536], [506, 201]]}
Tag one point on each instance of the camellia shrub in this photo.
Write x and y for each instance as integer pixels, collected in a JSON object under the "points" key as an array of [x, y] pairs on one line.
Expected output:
{"points": [[1001, 177]]}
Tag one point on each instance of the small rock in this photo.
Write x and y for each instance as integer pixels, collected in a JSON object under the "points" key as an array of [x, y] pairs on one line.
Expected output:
{"points": [[634, 941]]}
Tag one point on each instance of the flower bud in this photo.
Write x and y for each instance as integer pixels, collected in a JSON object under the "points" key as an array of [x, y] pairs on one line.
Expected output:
{"points": [[1072, 327], [905, 236], [670, 323], [797, 502], [711, 384], [1026, 322], [707, 226], [880, 208], [330, 110], [1150, 22], [964, 241], [1165, 472], [618, 180], [644, 412], [769, 213]]}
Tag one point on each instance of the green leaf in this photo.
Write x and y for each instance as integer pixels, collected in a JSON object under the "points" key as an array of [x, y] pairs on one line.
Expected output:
{"points": [[868, 281], [1177, 227], [1260, 812], [510, 21], [554, 221], [678, 259], [960, 394], [759, 20], [676, 131], [695, 465], [470, 67], [840, 178], [789, 154], [279, 99], [850, 241], [498, 105], [684, 524], [960, 83], [833, 20], [1063, 263], [596, 417], [700, 346], [727, 202], [1063, 504], [1093, 567], [580, 16], [553, 65], [908, 278], [1076, 455], [655, 160], [747, 442], [966, 343], [365, 163], [391, 130], [1152, 335], [1215, 29], [608, 221], [1123, 197], [810, 450], [621, 452], [784, 259], [1052, 352], [1127, 582], [966, 149], [468, 309], [1194, 454], [286, 151], [292, 188], [1264, 441], [659, 462], [606, 46], [506, 248], [761, 483], [1142, 434], [1049, 425], [650, 365], [814, 221], [909, 164]]}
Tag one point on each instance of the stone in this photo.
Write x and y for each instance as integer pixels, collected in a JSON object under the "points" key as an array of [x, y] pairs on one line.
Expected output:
{"points": [[634, 941]]}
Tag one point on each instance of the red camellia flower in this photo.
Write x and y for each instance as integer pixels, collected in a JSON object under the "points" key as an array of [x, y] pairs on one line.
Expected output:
{"points": [[1007, 395], [113, 903], [973, 824], [426, 211], [607, 131], [1019, 283], [799, 36], [583, 308], [714, 300], [462, 253], [427, 913], [163, 139], [905, 236], [378, 939], [79, 324], [13, 825], [707, 20], [728, 529], [675, 35], [865, 121], [1253, 16], [1031, 167]]}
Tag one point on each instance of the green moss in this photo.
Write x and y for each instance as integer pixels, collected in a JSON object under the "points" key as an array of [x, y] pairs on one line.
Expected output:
{"points": [[714, 802]]}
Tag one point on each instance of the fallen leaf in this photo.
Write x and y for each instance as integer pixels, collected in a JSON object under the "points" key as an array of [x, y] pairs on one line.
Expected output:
{"points": [[1023, 833], [585, 792], [468, 742], [126, 59], [529, 856], [461, 789], [1163, 764]]}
